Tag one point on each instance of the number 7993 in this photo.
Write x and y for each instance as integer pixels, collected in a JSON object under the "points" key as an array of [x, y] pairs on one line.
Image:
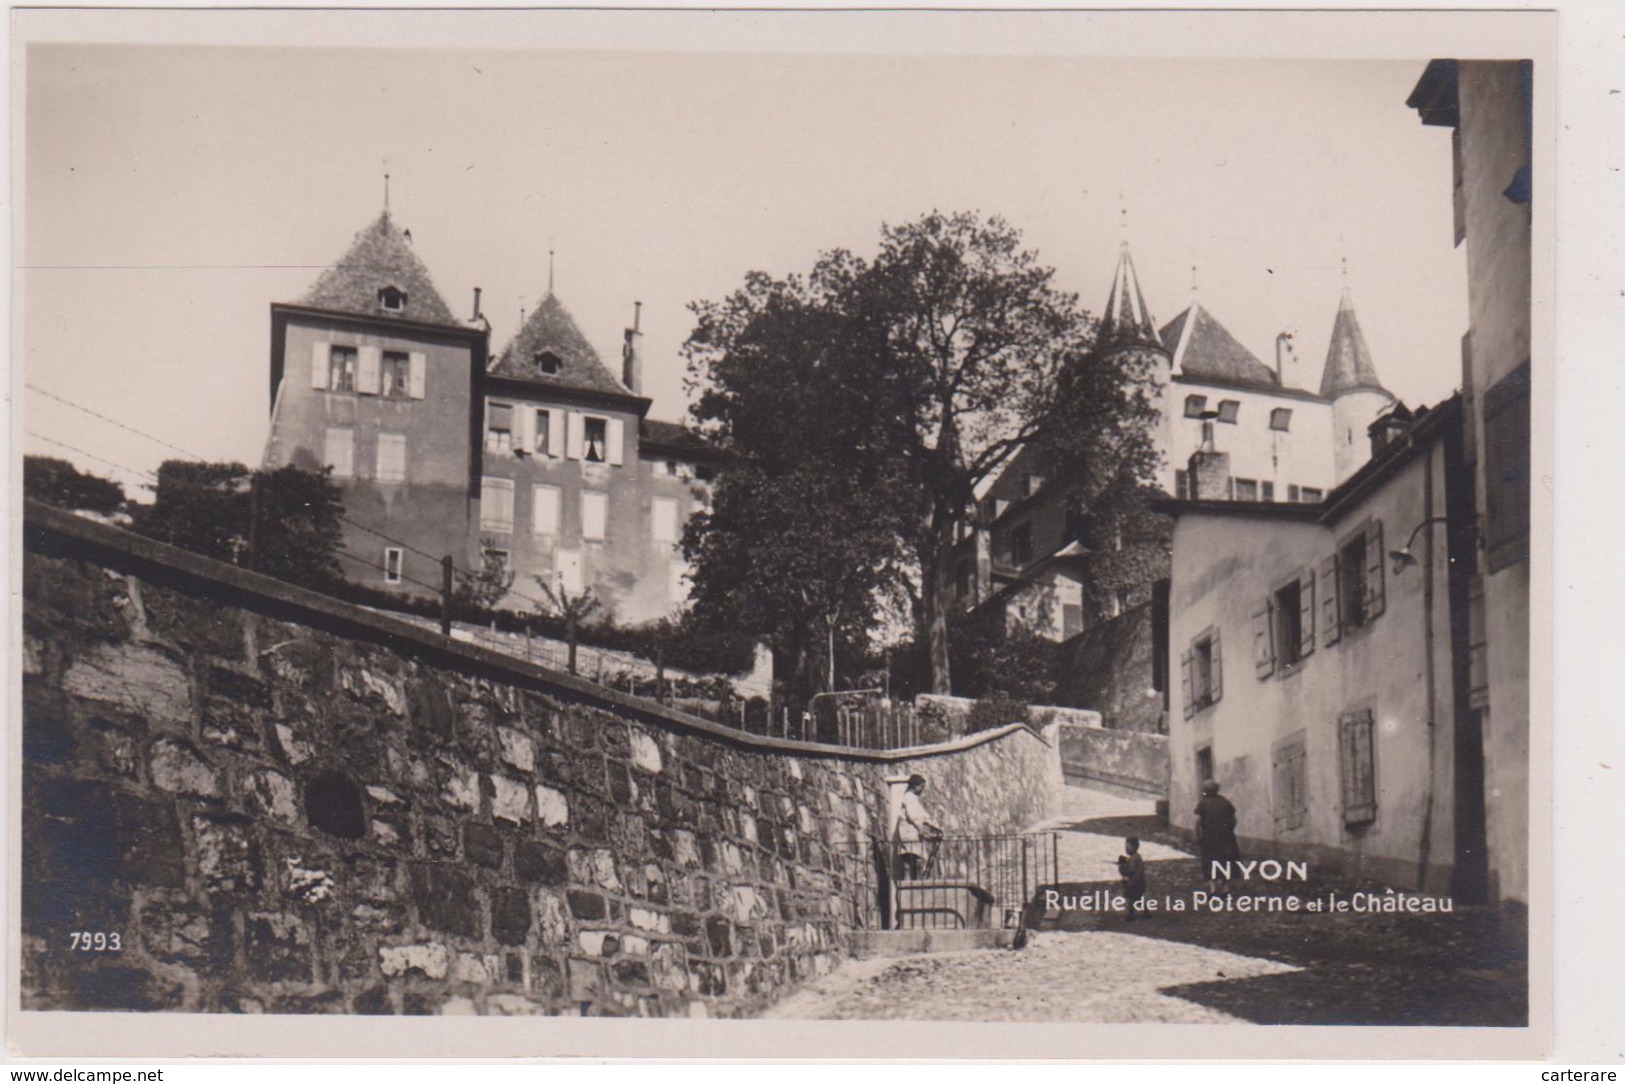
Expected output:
{"points": [[95, 941]]}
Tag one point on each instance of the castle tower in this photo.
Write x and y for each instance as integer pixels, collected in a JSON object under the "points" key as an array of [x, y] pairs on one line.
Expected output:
{"points": [[1350, 382], [1126, 327]]}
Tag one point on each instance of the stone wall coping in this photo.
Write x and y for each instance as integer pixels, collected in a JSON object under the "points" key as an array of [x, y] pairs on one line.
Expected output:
{"points": [[53, 531]]}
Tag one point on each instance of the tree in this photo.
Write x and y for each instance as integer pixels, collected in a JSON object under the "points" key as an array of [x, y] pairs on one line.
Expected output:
{"points": [[285, 523], [485, 587], [801, 544], [58, 482], [573, 607]]}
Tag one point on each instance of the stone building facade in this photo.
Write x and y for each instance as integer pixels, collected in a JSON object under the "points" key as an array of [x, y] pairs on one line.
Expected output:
{"points": [[540, 458]]}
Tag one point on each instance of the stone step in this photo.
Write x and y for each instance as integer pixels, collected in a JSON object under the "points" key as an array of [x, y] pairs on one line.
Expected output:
{"points": [[868, 943]]}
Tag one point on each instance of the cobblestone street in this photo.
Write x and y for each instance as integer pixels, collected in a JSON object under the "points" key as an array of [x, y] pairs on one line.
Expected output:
{"points": [[1465, 968]]}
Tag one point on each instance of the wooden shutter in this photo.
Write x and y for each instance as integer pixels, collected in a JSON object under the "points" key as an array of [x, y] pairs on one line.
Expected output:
{"points": [[526, 437], [1187, 665], [555, 433], [1331, 629], [1359, 767], [1217, 680], [1263, 643], [1306, 612], [575, 435], [1374, 561], [367, 377], [616, 432], [417, 374], [545, 510], [318, 365]]}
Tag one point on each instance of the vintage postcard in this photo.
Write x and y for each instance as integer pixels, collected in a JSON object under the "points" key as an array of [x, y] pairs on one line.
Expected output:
{"points": [[846, 534]]}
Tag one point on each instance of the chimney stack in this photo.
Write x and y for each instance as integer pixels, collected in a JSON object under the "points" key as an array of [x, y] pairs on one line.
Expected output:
{"points": [[1209, 468], [1286, 361], [632, 352], [475, 318]]}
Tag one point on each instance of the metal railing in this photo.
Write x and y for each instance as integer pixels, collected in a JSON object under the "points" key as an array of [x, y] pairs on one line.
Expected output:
{"points": [[955, 882]]}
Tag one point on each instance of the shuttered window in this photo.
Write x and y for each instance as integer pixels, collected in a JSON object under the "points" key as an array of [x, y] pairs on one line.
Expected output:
{"points": [[340, 452], [367, 375], [594, 515], [1506, 469], [1359, 767], [1361, 593], [498, 427], [1291, 779], [395, 379], [663, 520], [341, 368], [1202, 672], [1331, 629], [496, 504], [391, 457], [544, 510]]}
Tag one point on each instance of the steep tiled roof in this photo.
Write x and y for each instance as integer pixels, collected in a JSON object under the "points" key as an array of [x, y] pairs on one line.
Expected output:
{"points": [[552, 330], [1201, 347], [1127, 321], [380, 256], [1348, 362]]}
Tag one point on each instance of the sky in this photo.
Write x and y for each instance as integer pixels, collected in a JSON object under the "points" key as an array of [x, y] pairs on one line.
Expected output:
{"points": [[173, 192]]}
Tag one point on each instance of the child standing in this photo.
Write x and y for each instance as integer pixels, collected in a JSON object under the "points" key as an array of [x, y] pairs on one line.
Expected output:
{"points": [[1132, 868]]}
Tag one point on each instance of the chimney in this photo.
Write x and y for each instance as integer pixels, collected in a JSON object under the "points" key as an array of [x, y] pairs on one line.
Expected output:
{"points": [[1286, 360], [632, 352], [476, 317], [1209, 468]]}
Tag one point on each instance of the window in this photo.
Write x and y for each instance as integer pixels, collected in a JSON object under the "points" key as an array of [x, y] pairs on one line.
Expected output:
{"points": [[1358, 573], [1246, 489], [1121, 597], [663, 519], [496, 504], [340, 452], [1281, 419], [544, 510], [1071, 620], [396, 375], [392, 564], [1181, 484], [594, 510], [1359, 767], [498, 427], [341, 369], [1021, 544], [1267, 491], [1311, 495], [1202, 672], [494, 560], [567, 571], [1204, 764], [1228, 410], [664, 468], [1284, 626], [1031, 483], [549, 363], [542, 439], [391, 457], [1195, 405], [595, 441], [391, 299], [1293, 494], [1291, 770], [1506, 470]]}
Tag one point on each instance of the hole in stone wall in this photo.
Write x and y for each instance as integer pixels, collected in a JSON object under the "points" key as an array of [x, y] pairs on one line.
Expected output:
{"points": [[333, 804]]}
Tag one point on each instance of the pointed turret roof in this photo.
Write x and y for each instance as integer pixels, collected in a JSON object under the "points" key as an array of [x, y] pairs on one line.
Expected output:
{"points": [[1127, 321], [552, 330], [1201, 347], [1348, 361], [378, 258]]}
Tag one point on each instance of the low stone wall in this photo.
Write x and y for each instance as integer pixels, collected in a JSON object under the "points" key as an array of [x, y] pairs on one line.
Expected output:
{"points": [[1119, 758], [274, 801], [954, 713]]}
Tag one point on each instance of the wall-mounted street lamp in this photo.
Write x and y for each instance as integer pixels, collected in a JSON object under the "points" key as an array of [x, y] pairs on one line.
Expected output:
{"points": [[1403, 558]]}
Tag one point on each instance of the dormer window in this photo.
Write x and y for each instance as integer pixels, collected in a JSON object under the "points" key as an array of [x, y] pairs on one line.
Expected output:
{"points": [[549, 363], [391, 299]]}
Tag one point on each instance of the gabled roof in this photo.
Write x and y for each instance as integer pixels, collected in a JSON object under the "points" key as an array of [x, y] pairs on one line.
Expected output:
{"points": [[380, 257], [1202, 347], [552, 330], [1127, 321], [1348, 362]]}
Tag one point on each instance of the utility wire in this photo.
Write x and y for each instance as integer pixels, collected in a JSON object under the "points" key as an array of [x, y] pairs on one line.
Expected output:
{"points": [[91, 455], [112, 421]]}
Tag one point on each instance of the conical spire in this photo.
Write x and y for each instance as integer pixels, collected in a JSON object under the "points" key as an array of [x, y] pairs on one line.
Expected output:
{"points": [[1127, 321], [380, 259], [1348, 361]]}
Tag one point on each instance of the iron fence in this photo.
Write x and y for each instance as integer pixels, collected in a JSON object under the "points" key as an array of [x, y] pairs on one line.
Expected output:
{"points": [[955, 882]]}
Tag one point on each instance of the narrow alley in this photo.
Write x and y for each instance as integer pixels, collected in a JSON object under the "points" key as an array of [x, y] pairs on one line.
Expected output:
{"points": [[1463, 968]]}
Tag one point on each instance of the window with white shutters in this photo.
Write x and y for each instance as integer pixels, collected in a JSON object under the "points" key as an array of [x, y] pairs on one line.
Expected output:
{"points": [[340, 452], [595, 440], [391, 457], [1360, 588], [341, 368], [496, 504], [594, 515], [663, 520], [498, 427], [544, 510], [395, 379]]}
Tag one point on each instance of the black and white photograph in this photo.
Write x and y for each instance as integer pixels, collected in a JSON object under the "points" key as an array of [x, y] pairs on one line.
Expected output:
{"points": [[929, 518]]}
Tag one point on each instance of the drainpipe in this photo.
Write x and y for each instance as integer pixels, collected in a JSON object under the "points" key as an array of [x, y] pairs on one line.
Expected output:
{"points": [[1426, 845]]}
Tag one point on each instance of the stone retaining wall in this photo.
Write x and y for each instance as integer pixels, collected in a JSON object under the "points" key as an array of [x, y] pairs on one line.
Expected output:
{"points": [[1119, 758], [282, 803]]}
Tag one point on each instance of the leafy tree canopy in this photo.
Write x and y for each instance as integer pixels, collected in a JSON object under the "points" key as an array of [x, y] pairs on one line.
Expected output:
{"points": [[58, 482]]}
